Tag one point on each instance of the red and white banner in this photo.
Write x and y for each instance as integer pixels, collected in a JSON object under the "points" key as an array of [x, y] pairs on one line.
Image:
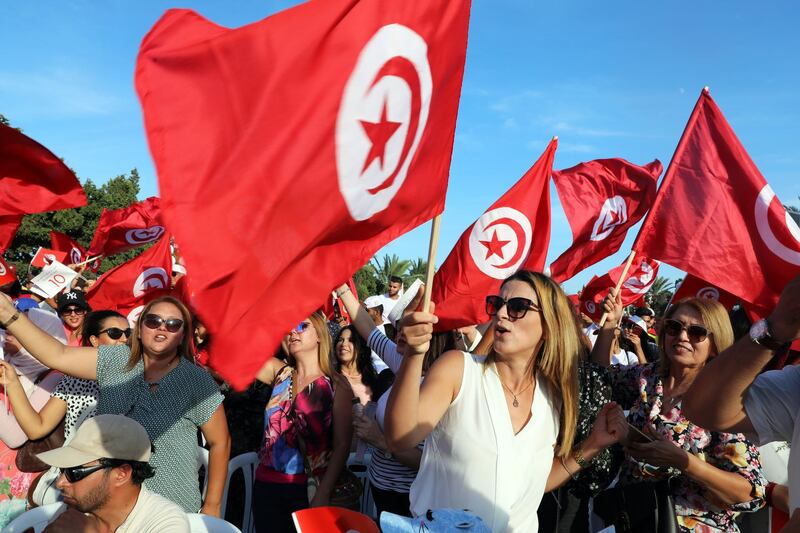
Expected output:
{"points": [[32, 178], [45, 256], [716, 217], [54, 278], [641, 276], [120, 230], [75, 252], [602, 199], [128, 287], [512, 234], [694, 287], [291, 149]]}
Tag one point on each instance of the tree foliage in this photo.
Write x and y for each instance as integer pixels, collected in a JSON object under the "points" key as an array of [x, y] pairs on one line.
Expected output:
{"points": [[659, 295]]}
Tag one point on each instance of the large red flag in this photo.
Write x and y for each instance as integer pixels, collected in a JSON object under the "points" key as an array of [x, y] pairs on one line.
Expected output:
{"points": [[602, 199], [32, 178], [641, 276], [512, 234], [127, 287], [119, 230], [716, 217], [290, 150], [9, 224], [75, 252], [694, 287]]}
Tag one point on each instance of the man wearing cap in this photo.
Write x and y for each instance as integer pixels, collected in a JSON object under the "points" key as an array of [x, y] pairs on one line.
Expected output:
{"points": [[72, 309], [102, 470]]}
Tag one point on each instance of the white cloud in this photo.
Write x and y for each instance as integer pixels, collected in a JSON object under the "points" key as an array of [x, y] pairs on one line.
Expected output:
{"points": [[57, 91]]}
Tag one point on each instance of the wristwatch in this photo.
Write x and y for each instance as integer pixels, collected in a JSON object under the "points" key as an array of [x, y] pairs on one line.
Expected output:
{"points": [[761, 334]]}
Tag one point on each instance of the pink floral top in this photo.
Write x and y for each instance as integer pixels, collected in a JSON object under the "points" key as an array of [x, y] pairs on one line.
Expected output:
{"points": [[639, 389]]}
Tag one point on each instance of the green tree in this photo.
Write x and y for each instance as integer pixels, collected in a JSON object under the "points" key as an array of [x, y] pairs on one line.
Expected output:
{"points": [[79, 223], [418, 269], [659, 295], [794, 211], [4, 120], [391, 265], [366, 280]]}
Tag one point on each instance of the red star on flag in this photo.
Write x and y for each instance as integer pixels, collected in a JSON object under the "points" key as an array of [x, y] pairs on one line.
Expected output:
{"points": [[379, 134], [494, 246]]}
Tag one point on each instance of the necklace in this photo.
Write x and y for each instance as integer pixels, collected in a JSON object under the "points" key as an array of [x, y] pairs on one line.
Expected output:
{"points": [[515, 403]]}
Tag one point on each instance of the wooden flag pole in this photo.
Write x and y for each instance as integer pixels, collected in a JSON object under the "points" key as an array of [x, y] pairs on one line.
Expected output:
{"points": [[95, 258], [432, 248], [620, 282]]}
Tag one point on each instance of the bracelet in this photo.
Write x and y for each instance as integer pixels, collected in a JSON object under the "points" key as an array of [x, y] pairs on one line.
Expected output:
{"points": [[564, 464], [340, 292], [11, 320], [768, 493], [578, 456]]}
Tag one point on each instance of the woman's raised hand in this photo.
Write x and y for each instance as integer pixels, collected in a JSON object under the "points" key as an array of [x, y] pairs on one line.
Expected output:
{"points": [[416, 327], [8, 374], [612, 307]]}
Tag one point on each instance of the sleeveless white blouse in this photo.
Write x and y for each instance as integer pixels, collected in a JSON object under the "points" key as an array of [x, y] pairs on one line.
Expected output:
{"points": [[472, 459]]}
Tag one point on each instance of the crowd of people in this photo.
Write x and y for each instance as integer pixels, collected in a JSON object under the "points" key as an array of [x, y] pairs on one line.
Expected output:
{"points": [[537, 420]]}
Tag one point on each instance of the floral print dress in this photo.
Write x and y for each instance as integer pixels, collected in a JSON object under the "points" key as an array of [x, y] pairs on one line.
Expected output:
{"points": [[639, 388]]}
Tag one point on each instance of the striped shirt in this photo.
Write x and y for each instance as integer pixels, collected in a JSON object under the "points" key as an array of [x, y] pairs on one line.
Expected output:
{"points": [[385, 472]]}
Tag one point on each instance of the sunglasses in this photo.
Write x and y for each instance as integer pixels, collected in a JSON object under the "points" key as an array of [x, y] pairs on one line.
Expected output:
{"points": [[516, 307], [77, 473], [116, 333], [301, 327], [695, 332], [73, 311], [154, 322]]}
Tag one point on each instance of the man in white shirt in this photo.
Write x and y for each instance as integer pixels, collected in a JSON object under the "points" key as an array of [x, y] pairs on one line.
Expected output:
{"points": [[390, 297], [732, 394], [102, 470]]}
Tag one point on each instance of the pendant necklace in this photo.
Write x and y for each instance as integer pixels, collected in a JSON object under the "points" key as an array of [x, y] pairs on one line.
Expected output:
{"points": [[515, 403]]}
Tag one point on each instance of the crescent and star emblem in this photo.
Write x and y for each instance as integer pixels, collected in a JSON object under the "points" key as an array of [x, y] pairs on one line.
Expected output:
{"points": [[762, 214], [500, 241]]}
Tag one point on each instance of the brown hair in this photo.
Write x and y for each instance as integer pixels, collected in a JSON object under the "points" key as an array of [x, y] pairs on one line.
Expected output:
{"points": [[185, 349], [557, 358], [715, 319], [325, 351]]}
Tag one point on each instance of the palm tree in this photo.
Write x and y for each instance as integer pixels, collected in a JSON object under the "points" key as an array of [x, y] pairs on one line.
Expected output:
{"points": [[391, 265], [659, 295], [794, 211], [417, 270]]}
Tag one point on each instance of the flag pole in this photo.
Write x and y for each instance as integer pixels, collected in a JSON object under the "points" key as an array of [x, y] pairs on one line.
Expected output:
{"points": [[95, 258], [432, 248], [621, 279]]}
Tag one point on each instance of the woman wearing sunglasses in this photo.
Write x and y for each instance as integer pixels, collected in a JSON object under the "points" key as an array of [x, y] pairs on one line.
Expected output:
{"points": [[306, 425], [499, 430], [716, 475], [156, 383]]}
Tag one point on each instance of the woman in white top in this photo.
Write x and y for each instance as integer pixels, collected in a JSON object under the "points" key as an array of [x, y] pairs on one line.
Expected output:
{"points": [[500, 429]]}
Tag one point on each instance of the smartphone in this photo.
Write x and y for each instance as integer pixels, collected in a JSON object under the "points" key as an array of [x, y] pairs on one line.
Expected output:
{"points": [[637, 435]]}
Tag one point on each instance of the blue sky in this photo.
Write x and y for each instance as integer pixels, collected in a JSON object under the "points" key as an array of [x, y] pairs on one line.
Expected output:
{"points": [[611, 79]]}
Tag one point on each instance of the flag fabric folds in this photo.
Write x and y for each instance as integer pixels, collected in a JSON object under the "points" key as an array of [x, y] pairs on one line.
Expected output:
{"points": [[602, 199], [278, 185], [641, 276], [716, 217], [512, 234], [32, 178], [120, 230], [127, 287], [9, 224], [694, 287]]}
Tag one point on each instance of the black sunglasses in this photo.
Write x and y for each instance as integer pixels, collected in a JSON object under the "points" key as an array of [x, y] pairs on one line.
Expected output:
{"points": [[77, 473], [517, 307], [116, 333], [695, 332], [154, 322]]}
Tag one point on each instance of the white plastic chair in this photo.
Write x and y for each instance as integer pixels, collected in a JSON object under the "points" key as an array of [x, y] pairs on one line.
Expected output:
{"points": [[202, 462], [37, 518], [201, 523], [247, 463]]}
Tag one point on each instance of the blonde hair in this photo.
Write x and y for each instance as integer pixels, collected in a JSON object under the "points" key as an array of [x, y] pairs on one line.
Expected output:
{"points": [[186, 348], [324, 351], [715, 319], [557, 358]]}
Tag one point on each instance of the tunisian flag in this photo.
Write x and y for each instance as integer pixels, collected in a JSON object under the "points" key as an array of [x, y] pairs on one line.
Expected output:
{"points": [[120, 230], [716, 217], [75, 252], [9, 224], [694, 287], [32, 178], [290, 150], [128, 287], [602, 199], [641, 276], [512, 234]]}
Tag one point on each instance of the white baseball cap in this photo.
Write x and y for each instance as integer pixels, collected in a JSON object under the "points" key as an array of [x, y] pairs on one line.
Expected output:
{"points": [[373, 301], [102, 437]]}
